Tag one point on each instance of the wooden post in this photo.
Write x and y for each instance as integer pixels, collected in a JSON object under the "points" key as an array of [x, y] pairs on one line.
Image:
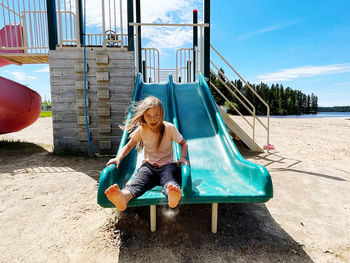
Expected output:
{"points": [[214, 217], [153, 218]]}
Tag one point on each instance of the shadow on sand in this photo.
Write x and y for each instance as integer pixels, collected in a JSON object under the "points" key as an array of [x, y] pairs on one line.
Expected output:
{"points": [[246, 233]]}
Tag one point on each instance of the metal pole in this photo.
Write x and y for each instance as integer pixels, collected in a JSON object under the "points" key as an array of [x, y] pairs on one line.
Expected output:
{"points": [[130, 8], [138, 20], [80, 23], [52, 23], [144, 71], [207, 39], [188, 71], [195, 41]]}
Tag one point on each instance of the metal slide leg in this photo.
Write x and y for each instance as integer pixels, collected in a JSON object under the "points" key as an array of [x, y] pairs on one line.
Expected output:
{"points": [[214, 217], [153, 218]]}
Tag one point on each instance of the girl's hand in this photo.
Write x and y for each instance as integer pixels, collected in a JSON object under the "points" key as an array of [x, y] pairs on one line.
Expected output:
{"points": [[183, 160], [116, 161]]}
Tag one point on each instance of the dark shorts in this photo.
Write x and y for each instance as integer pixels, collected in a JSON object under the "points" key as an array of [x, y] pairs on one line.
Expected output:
{"points": [[149, 176]]}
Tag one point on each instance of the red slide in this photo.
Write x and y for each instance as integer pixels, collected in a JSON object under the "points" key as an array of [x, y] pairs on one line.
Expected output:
{"points": [[19, 106]]}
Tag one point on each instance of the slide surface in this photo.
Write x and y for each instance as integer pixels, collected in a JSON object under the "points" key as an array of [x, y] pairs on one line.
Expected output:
{"points": [[217, 173], [19, 106]]}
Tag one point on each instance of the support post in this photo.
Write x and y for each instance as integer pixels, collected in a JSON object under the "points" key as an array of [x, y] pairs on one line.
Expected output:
{"points": [[214, 217], [52, 23], [130, 8], [195, 42], [153, 218], [207, 39], [138, 20], [80, 22], [189, 71], [144, 71]]}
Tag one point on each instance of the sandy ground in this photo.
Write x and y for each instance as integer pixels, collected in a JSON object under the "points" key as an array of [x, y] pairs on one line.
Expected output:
{"points": [[48, 210]]}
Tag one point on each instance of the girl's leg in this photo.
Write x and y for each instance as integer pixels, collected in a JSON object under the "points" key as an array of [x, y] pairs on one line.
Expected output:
{"points": [[171, 187], [144, 180], [119, 198]]}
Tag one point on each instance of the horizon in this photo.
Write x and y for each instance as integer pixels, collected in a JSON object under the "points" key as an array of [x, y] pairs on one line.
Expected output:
{"points": [[303, 45]]}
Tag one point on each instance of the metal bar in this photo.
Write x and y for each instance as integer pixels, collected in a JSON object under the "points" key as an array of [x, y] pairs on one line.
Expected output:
{"points": [[121, 23], [136, 51], [138, 20], [65, 19], [14, 17], [195, 41], [52, 23], [160, 24], [79, 22], [201, 54], [130, 9], [233, 106], [206, 50], [153, 218], [10, 27], [214, 217], [10, 10], [103, 24]]}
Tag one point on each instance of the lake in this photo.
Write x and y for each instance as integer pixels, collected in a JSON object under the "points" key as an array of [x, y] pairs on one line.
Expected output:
{"points": [[318, 115]]}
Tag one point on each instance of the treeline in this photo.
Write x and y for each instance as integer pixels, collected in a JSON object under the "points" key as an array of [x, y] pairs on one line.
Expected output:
{"points": [[282, 101], [334, 109]]}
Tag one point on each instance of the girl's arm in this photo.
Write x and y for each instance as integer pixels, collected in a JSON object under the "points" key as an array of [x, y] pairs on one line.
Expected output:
{"points": [[183, 145], [123, 152]]}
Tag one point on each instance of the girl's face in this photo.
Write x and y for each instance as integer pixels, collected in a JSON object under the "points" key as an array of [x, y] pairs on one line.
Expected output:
{"points": [[153, 118]]}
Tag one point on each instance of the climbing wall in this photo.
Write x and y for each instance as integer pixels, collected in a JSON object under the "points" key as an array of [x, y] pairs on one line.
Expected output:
{"points": [[109, 86]]}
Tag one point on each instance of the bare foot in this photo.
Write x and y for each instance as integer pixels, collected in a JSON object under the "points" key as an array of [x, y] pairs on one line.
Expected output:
{"points": [[174, 195], [117, 197]]}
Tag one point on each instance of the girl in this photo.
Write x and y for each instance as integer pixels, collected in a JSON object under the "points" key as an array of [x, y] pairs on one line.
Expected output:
{"points": [[158, 167]]}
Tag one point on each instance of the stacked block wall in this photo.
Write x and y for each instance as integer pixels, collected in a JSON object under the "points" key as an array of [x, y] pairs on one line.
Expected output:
{"points": [[110, 82]]}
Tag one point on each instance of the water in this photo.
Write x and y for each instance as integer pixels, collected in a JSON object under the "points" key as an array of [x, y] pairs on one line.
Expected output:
{"points": [[318, 115]]}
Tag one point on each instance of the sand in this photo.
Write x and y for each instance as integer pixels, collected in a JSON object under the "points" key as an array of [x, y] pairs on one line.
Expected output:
{"points": [[48, 210]]}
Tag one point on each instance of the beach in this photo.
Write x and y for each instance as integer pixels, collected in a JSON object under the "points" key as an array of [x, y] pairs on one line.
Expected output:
{"points": [[48, 209]]}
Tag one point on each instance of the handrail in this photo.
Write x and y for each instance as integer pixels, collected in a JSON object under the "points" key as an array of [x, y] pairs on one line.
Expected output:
{"points": [[183, 55], [230, 102], [234, 94], [266, 127], [151, 64]]}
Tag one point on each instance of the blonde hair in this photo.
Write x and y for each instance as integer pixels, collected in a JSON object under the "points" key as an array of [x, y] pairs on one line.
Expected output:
{"points": [[139, 109]]}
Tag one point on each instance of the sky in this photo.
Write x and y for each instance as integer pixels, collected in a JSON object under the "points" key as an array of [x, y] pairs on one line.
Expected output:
{"points": [[304, 45]]}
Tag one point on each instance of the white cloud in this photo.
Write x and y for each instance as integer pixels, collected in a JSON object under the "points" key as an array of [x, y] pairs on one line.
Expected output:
{"points": [[44, 69], [20, 75], [266, 29], [305, 71], [152, 11]]}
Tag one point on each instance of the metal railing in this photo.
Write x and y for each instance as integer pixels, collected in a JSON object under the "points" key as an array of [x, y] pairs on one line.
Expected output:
{"points": [[109, 23], [224, 80], [151, 68], [24, 26], [184, 60], [136, 25]]}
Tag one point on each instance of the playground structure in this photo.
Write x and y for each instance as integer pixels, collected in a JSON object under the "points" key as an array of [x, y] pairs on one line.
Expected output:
{"points": [[92, 77]]}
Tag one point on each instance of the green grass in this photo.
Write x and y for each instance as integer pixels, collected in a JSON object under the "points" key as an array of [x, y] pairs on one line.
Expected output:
{"points": [[45, 114]]}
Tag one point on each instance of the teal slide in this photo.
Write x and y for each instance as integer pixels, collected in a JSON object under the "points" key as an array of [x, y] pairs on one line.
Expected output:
{"points": [[217, 174]]}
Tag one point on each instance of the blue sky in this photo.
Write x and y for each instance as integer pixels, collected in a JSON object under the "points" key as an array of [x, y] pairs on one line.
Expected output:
{"points": [[301, 44]]}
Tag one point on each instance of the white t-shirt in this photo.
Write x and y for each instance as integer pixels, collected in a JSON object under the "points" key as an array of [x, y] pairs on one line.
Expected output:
{"points": [[157, 155]]}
